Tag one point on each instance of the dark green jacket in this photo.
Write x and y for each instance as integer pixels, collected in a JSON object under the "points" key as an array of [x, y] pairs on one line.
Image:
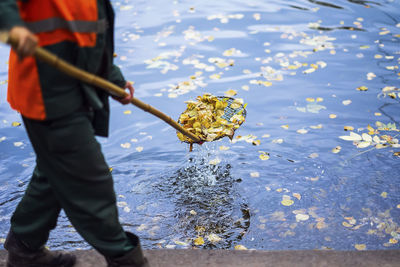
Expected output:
{"points": [[62, 94]]}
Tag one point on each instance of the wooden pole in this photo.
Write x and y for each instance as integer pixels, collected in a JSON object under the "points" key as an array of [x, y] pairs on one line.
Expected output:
{"points": [[99, 82]]}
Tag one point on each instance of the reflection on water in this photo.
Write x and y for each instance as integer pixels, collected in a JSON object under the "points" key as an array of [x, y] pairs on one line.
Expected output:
{"points": [[310, 71]]}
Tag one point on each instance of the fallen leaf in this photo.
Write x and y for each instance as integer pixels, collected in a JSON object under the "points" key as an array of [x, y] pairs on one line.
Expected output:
{"points": [[15, 124], [230, 92], [214, 238], [332, 116], [287, 202], [362, 88], [199, 241], [360, 246], [302, 131], [139, 149], [215, 161], [255, 174], [240, 247], [346, 102], [297, 195], [336, 149], [302, 217]]}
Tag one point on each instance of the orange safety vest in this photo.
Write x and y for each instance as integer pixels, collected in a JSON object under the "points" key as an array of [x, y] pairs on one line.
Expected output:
{"points": [[52, 21]]}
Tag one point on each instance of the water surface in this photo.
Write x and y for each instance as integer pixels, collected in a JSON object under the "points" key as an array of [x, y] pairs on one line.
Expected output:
{"points": [[298, 65]]}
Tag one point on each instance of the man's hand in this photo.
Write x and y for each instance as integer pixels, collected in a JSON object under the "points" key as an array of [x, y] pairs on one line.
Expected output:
{"points": [[128, 98], [27, 41]]}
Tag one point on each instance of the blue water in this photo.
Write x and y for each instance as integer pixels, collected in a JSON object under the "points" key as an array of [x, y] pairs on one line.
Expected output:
{"points": [[169, 197]]}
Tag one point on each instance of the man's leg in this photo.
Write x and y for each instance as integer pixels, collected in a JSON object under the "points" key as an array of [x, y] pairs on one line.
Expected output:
{"points": [[71, 158], [36, 214]]}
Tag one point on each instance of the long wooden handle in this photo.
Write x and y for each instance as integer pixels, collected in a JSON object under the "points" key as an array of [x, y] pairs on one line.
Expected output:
{"points": [[90, 78]]}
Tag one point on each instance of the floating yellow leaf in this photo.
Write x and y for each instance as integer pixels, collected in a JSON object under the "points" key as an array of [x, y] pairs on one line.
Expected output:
{"points": [[308, 71], [139, 149], [126, 145], [346, 224], [230, 92], [310, 99], [215, 76], [360, 246], [286, 127], [199, 241], [332, 116], [319, 126], [193, 212], [223, 148], [180, 243], [384, 194], [302, 217], [240, 247], [15, 124], [214, 238], [348, 128], [362, 88], [172, 95], [378, 114], [256, 142], [352, 137], [336, 149], [297, 195], [302, 131], [287, 202], [215, 161], [255, 174], [346, 102], [264, 157], [393, 241]]}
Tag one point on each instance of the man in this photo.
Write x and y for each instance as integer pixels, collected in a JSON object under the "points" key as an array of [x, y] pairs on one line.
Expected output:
{"points": [[62, 117]]}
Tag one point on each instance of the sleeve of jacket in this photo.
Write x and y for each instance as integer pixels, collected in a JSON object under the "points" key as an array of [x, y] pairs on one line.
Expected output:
{"points": [[116, 77], [9, 15]]}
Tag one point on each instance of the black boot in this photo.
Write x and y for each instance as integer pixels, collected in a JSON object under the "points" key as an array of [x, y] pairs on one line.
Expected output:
{"points": [[133, 258], [19, 255]]}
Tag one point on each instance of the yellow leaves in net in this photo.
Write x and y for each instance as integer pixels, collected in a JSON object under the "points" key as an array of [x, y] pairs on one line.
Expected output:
{"points": [[203, 118]]}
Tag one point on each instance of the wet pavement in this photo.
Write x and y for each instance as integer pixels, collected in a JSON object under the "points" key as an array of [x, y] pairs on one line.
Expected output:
{"points": [[249, 258]]}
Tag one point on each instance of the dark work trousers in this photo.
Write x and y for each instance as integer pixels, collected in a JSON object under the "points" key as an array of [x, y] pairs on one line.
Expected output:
{"points": [[70, 174]]}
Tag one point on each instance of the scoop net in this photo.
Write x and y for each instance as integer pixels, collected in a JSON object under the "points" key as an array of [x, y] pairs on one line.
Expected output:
{"points": [[212, 117]]}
